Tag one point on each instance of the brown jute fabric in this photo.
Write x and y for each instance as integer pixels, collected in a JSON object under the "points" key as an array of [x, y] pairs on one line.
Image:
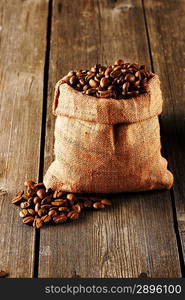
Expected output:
{"points": [[107, 145]]}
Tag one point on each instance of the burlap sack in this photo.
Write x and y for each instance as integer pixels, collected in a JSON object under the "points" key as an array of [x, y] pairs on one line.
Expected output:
{"points": [[107, 145]]}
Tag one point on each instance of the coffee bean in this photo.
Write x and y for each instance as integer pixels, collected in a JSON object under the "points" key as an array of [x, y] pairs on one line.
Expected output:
{"points": [[29, 183], [31, 211], [119, 62], [41, 193], [23, 213], [87, 204], [73, 215], [90, 91], [60, 218], [104, 94], [104, 82], [17, 200], [36, 200], [130, 77], [52, 213], [71, 197], [37, 207], [46, 219], [93, 83], [47, 199], [28, 220], [37, 223], [98, 205], [106, 202], [24, 204]]}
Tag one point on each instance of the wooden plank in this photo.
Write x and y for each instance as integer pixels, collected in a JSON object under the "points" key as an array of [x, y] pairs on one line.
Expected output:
{"points": [[22, 48], [137, 234], [167, 44]]}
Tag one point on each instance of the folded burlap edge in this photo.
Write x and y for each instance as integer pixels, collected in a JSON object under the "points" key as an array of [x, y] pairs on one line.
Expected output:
{"points": [[73, 104]]}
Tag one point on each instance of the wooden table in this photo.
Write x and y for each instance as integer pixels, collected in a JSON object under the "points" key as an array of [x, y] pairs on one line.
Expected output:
{"points": [[40, 41]]}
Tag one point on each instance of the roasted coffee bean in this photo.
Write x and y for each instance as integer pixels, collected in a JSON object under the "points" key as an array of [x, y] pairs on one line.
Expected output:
{"points": [[71, 197], [98, 205], [23, 213], [90, 91], [119, 62], [133, 93], [36, 200], [37, 223], [37, 207], [130, 77], [64, 209], [42, 211], [73, 215], [78, 207], [47, 199], [31, 211], [104, 94], [87, 204], [52, 213], [24, 204], [104, 82], [28, 220], [46, 219], [106, 202], [58, 194], [116, 73], [60, 218], [93, 83], [17, 200], [47, 206], [41, 193], [57, 203], [29, 183]]}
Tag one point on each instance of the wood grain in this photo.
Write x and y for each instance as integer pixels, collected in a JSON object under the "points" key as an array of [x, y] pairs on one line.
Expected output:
{"points": [[167, 45], [22, 48], [137, 234]]}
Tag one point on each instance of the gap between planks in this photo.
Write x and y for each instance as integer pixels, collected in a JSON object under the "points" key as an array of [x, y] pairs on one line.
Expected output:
{"points": [[43, 128]]}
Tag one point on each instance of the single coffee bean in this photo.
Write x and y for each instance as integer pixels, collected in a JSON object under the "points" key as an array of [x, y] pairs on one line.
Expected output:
{"points": [[29, 183], [41, 193], [104, 94], [36, 200], [47, 199], [130, 77], [73, 80], [60, 218], [31, 211], [28, 220], [98, 205], [119, 62], [46, 219], [90, 91], [24, 204], [104, 82], [106, 202], [37, 207], [71, 197], [17, 200], [52, 213], [93, 83], [23, 213], [63, 208], [73, 215]]}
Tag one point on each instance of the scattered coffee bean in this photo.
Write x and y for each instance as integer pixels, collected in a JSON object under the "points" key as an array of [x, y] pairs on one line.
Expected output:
{"points": [[53, 207]]}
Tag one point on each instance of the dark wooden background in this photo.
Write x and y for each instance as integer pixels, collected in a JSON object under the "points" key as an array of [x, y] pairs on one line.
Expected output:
{"points": [[40, 41]]}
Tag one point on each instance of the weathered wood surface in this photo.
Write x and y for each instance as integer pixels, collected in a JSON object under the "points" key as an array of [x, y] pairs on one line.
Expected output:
{"points": [[137, 235], [167, 45], [22, 55]]}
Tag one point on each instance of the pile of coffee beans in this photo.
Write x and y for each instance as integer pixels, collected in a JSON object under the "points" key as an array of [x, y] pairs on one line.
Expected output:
{"points": [[40, 206], [119, 81]]}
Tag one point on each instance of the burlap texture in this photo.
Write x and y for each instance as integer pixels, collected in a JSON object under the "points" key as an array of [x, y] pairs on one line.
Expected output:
{"points": [[107, 145]]}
